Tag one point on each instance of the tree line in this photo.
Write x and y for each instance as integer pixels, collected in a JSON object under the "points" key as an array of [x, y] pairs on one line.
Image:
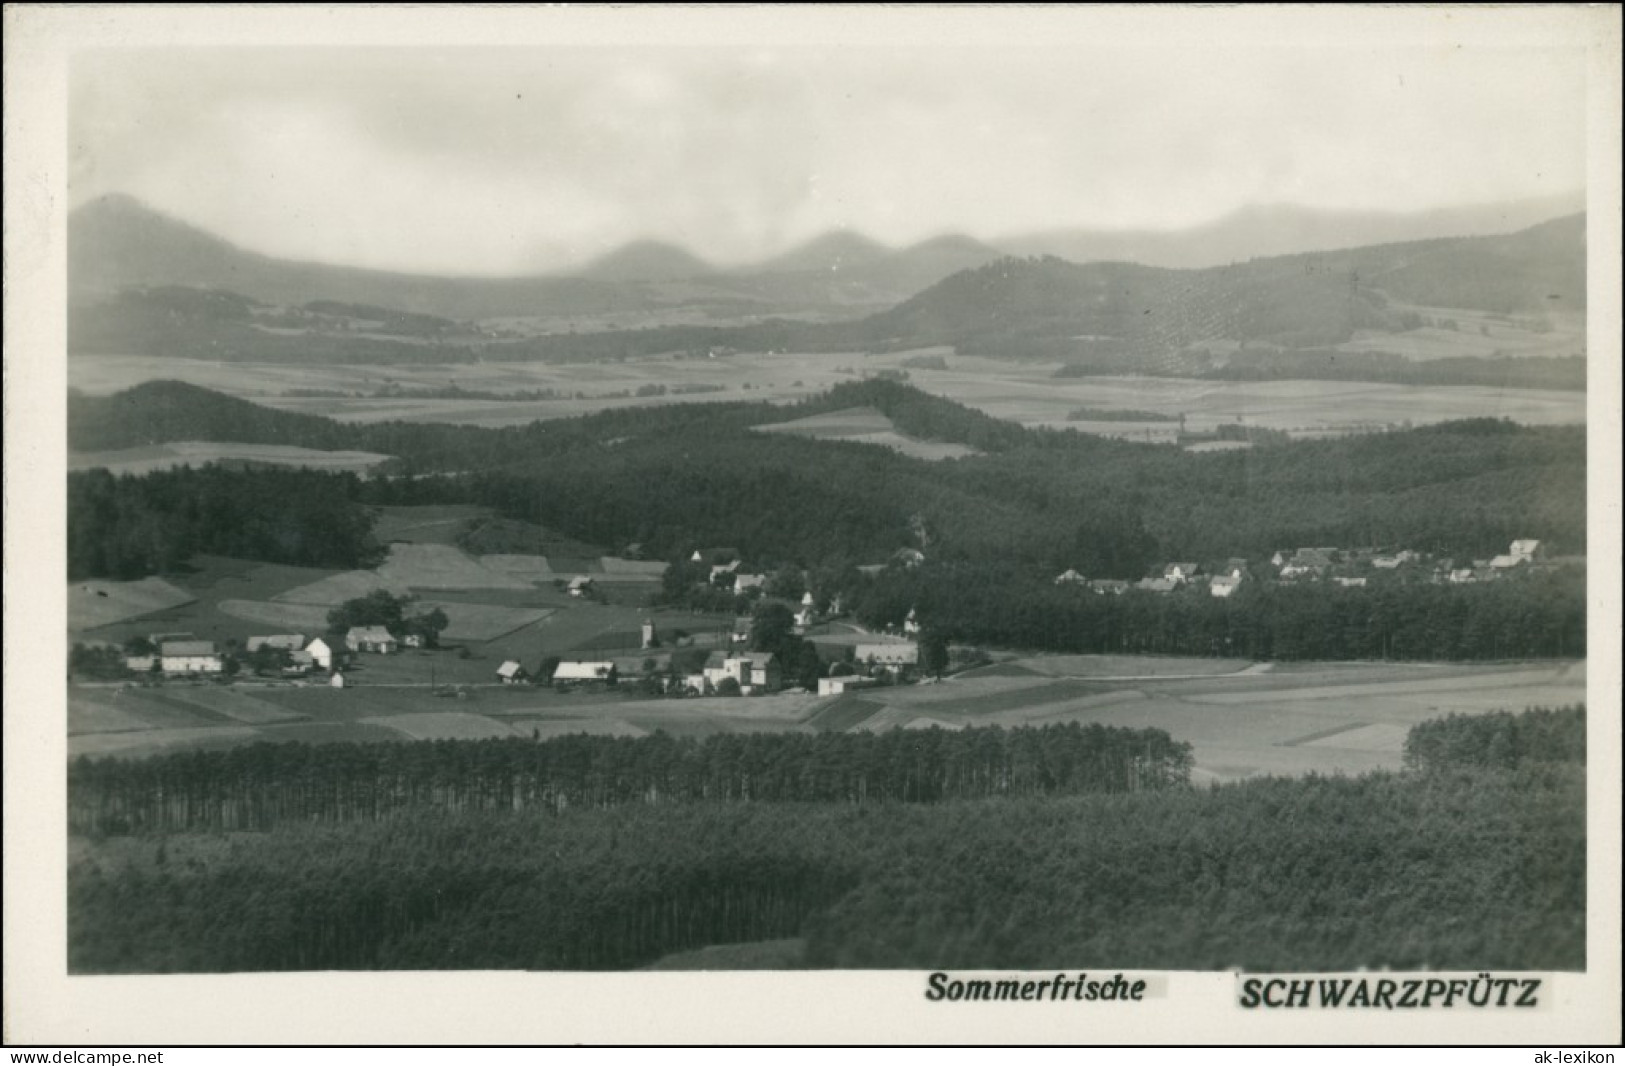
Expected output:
{"points": [[264, 785], [1464, 867], [131, 526]]}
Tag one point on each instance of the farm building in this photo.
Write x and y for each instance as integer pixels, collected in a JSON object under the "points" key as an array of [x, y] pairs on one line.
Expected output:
{"points": [[1071, 577], [1106, 586], [375, 639], [718, 569], [580, 671], [911, 624], [299, 662], [1225, 585], [1506, 562], [140, 664], [289, 642], [1160, 585], [511, 673], [1351, 582], [745, 582], [414, 640], [887, 652], [580, 585], [740, 634], [1180, 572], [835, 686], [190, 657], [805, 617], [320, 652]]}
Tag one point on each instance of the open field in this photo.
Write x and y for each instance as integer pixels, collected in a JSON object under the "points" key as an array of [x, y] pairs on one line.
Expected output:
{"points": [[1023, 392], [483, 622], [425, 524], [440, 566], [100, 603], [232, 702], [1479, 333], [442, 726], [866, 425], [1321, 718], [282, 617], [207, 585], [335, 589], [531, 568], [152, 457]]}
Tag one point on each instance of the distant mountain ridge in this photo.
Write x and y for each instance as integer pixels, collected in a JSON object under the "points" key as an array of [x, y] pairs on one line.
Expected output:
{"points": [[1262, 231], [116, 242]]}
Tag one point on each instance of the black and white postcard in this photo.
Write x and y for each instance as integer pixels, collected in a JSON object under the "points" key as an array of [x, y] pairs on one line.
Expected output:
{"points": [[806, 524]]}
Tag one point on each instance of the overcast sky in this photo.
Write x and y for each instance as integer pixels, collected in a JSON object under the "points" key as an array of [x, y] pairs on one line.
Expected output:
{"points": [[511, 160]]}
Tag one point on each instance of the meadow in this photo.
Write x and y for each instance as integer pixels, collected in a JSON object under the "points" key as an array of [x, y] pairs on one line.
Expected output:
{"points": [[1325, 718]]}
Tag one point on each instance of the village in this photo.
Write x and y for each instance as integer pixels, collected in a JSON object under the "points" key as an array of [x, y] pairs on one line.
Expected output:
{"points": [[723, 659]]}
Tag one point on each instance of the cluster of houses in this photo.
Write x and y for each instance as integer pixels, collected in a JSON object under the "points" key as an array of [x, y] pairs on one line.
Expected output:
{"points": [[1346, 568], [180, 655]]}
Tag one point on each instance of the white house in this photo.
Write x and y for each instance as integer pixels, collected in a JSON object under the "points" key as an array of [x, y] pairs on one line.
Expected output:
{"points": [[190, 657], [1180, 572], [1106, 586], [1225, 585], [1071, 577], [375, 639], [1160, 585], [320, 653], [580, 584], [338, 680], [511, 673], [744, 582], [911, 624], [757, 670], [1527, 550], [807, 599], [1351, 582], [140, 664], [805, 616]]}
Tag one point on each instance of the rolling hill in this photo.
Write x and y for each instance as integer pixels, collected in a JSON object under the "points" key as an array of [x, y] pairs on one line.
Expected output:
{"points": [[647, 261]]}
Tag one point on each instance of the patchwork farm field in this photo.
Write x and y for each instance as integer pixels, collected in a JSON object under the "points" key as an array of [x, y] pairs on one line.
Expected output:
{"points": [[1023, 392], [1335, 718]]}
